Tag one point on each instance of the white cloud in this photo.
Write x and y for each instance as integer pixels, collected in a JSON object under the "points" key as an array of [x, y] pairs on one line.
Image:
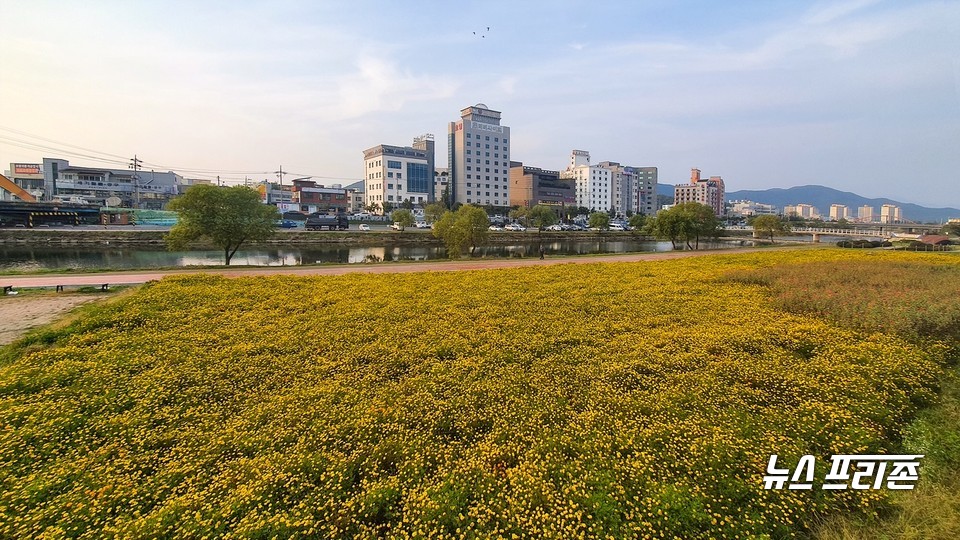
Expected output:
{"points": [[379, 85]]}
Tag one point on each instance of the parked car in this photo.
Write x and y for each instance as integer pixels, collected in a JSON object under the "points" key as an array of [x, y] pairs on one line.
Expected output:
{"points": [[555, 227], [515, 227], [287, 224], [421, 225], [364, 227], [617, 227], [496, 228], [396, 226]]}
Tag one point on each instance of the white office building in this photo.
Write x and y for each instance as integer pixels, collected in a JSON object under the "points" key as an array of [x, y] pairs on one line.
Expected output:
{"points": [[394, 174], [478, 157]]}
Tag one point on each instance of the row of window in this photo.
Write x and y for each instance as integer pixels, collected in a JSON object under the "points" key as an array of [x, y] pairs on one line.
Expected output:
{"points": [[487, 154], [495, 171], [487, 194], [495, 186], [495, 139], [478, 201], [486, 177]]}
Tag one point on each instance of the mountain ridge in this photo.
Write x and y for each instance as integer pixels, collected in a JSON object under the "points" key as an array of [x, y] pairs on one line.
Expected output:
{"points": [[822, 197]]}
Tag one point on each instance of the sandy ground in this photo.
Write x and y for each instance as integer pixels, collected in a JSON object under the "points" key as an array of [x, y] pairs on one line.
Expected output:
{"points": [[21, 313]]}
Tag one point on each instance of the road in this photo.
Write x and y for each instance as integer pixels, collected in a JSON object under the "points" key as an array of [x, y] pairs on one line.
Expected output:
{"points": [[138, 277]]}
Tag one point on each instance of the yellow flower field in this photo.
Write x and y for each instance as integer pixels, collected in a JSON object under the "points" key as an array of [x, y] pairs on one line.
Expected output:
{"points": [[636, 400]]}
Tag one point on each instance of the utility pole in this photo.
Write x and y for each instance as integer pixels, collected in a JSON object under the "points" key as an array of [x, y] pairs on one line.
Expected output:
{"points": [[279, 174], [135, 165]]}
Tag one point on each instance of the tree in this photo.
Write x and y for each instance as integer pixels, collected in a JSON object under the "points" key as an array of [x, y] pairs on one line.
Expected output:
{"points": [[468, 226], [433, 211], [768, 225], [228, 217], [704, 222], [407, 203], [684, 223], [373, 208], [387, 207], [519, 214], [404, 217], [541, 217], [599, 220], [952, 228], [637, 222]]}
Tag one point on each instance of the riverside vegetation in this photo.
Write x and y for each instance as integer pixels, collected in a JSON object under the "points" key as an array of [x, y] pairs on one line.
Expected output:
{"points": [[617, 400]]}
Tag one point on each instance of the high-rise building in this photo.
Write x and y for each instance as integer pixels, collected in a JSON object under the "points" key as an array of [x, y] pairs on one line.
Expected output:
{"points": [[610, 185], [634, 188], [708, 192], [803, 211], [479, 157], [594, 183], [394, 174], [890, 213], [865, 214], [839, 211]]}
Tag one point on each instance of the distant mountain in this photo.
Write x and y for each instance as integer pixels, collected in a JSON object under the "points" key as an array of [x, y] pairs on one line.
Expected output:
{"points": [[822, 197]]}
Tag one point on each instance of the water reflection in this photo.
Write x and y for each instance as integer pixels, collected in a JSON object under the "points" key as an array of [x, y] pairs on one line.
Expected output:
{"points": [[22, 258]]}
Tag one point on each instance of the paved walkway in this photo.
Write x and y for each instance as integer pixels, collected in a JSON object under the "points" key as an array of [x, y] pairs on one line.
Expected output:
{"points": [[138, 277]]}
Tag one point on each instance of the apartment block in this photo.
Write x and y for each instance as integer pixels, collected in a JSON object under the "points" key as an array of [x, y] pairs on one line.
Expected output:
{"points": [[839, 211], [709, 192]]}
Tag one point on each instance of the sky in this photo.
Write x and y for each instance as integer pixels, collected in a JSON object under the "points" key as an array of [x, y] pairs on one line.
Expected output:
{"points": [[858, 95]]}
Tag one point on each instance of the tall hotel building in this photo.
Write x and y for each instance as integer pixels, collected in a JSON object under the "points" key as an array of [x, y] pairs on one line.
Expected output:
{"points": [[479, 158], [393, 174]]}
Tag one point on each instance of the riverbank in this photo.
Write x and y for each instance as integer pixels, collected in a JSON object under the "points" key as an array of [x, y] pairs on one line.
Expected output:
{"points": [[132, 237]]}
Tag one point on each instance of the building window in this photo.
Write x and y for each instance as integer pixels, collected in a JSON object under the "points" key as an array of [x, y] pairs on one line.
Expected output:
{"points": [[389, 174]]}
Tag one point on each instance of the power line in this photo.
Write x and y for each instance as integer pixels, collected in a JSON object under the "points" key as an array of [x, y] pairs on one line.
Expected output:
{"points": [[240, 176]]}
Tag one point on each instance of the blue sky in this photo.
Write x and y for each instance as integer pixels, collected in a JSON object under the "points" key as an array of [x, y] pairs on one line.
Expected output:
{"points": [[858, 95]]}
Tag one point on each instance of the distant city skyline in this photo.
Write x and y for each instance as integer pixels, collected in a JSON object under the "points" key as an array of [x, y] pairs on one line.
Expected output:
{"points": [[858, 95]]}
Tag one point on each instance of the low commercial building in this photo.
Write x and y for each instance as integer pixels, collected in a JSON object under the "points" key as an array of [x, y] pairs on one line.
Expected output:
{"points": [[750, 208], [312, 197], [27, 176], [108, 187], [530, 186]]}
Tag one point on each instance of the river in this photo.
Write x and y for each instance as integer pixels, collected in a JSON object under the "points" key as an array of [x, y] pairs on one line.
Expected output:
{"points": [[22, 258]]}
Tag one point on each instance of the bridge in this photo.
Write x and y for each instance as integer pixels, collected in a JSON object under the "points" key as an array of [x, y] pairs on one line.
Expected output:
{"points": [[817, 232]]}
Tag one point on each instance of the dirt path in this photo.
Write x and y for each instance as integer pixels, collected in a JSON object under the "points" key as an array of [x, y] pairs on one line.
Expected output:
{"points": [[137, 277], [21, 313]]}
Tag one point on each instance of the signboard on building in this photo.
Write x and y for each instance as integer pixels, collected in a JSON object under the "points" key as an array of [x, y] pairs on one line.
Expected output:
{"points": [[27, 168]]}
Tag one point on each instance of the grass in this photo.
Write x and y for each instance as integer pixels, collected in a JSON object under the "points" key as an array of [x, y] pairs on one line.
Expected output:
{"points": [[916, 301], [932, 510]]}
